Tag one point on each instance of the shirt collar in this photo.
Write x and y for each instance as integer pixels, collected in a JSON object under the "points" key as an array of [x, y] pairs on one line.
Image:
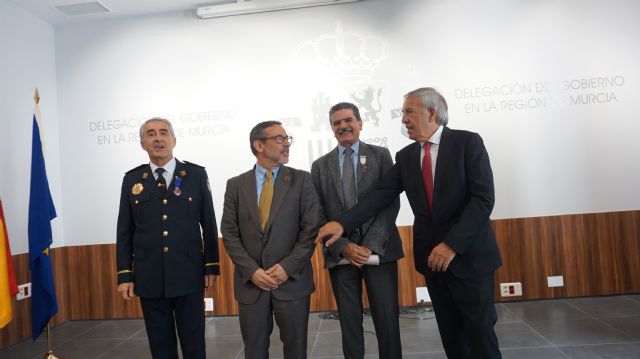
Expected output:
{"points": [[169, 166], [355, 147], [435, 138], [261, 172]]}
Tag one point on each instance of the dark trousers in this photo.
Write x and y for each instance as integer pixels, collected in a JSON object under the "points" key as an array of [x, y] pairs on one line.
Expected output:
{"points": [[382, 290], [256, 325], [163, 315], [466, 315]]}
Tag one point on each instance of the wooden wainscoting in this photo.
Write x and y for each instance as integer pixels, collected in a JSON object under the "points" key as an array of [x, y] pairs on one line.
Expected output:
{"points": [[598, 254]]}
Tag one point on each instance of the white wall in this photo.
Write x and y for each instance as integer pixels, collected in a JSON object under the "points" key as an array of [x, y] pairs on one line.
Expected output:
{"points": [[570, 149], [27, 61]]}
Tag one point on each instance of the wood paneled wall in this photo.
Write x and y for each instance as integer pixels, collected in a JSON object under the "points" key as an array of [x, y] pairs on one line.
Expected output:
{"points": [[598, 254]]}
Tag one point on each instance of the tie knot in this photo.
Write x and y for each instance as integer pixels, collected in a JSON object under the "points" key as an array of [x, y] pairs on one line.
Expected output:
{"points": [[269, 175], [160, 171], [427, 145], [348, 152]]}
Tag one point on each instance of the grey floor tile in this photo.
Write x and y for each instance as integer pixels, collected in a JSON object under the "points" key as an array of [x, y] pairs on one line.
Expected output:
{"points": [[131, 348], [86, 348], [579, 332], [115, 329], [635, 297], [505, 316], [64, 332], [518, 335], [222, 326], [606, 307], [608, 351], [629, 325], [224, 347], [24, 350], [329, 326], [545, 310], [421, 340], [532, 353]]}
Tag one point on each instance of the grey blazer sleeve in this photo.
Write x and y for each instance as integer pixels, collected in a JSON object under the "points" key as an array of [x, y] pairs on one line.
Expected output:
{"points": [[309, 223], [231, 233], [383, 224]]}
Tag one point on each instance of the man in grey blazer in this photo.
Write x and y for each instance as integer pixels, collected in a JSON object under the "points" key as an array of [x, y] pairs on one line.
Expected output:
{"points": [[270, 220], [358, 165]]}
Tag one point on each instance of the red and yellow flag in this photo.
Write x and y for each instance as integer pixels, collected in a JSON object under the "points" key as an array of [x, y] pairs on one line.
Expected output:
{"points": [[8, 287]]}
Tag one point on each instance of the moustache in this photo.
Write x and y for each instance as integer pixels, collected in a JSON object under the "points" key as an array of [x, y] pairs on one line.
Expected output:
{"points": [[342, 131]]}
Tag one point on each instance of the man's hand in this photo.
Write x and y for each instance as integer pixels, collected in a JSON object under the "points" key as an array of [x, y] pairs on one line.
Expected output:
{"points": [[126, 289], [333, 230], [262, 280], [440, 257], [210, 280], [278, 274], [355, 254]]}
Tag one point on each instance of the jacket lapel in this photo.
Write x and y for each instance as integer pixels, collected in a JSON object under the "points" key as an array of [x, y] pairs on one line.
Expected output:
{"points": [[248, 194], [334, 170], [444, 150], [416, 167], [362, 168], [151, 183]]}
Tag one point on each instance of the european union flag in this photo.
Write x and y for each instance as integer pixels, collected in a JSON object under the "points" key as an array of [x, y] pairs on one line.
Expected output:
{"points": [[41, 211]]}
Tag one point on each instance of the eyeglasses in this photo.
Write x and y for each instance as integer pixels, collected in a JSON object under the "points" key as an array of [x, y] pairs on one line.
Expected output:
{"points": [[279, 139]]}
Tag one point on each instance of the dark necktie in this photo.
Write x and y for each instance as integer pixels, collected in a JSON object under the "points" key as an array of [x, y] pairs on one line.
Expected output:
{"points": [[348, 180], [266, 196], [427, 177], [161, 182]]}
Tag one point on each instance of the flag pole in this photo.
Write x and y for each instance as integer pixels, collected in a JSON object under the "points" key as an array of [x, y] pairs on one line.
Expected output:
{"points": [[49, 354]]}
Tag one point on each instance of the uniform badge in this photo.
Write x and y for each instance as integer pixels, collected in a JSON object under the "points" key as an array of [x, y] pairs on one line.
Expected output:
{"points": [[183, 173], [176, 186], [137, 189], [363, 162], [145, 175]]}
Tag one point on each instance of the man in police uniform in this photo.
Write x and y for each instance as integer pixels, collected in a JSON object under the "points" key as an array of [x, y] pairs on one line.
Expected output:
{"points": [[167, 244]]}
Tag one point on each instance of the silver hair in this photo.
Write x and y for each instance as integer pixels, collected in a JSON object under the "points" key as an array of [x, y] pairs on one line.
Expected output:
{"points": [[431, 98], [159, 119]]}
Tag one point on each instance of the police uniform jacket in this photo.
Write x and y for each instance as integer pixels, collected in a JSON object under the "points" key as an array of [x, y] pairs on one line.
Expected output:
{"points": [[166, 240]]}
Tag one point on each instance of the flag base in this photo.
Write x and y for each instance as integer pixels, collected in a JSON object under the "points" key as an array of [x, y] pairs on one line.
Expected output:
{"points": [[50, 355]]}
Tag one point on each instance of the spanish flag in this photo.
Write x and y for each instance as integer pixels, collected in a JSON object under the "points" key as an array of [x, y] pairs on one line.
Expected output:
{"points": [[8, 287]]}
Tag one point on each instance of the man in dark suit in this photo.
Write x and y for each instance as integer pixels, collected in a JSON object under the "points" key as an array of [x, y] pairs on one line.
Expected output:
{"points": [[449, 183], [270, 219], [167, 244], [339, 189]]}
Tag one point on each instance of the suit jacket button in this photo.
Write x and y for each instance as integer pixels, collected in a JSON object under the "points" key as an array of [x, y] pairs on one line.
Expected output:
{"points": [[164, 201], [164, 217], [165, 249], [190, 199], [165, 233]]}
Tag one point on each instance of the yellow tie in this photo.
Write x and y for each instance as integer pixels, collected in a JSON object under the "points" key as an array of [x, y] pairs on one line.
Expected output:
{"points": [[264, 205]]}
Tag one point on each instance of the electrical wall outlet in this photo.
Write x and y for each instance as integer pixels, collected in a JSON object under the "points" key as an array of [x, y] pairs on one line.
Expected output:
{"points": [[511, 289], [24, 291], [556, 281], [422, 295], [208, 304]]}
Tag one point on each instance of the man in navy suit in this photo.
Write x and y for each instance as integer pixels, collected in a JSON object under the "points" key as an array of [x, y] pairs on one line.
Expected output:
{"points": [[167, 244], [449, 183]]}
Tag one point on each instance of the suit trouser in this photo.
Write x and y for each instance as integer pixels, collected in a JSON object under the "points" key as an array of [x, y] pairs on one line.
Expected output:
{"points": [[256, 325], [163, 315], [382, 291], [466, 315]]}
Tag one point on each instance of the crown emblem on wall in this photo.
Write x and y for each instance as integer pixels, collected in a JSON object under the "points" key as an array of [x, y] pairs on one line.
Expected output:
{"points": [[349, 56]]}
